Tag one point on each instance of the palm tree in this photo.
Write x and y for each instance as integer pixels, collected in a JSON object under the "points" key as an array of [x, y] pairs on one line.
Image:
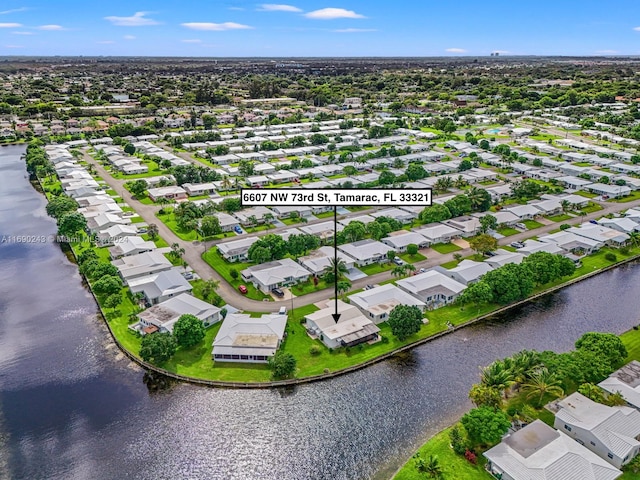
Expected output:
{"points": [[268, 218], [399, 271], [497, 375], [431, 466], [460, 182], [225, 183], [443, 184], [566, 205], [177, 251], [332, 268], [634, 238], [477, 197], [543, 383]]}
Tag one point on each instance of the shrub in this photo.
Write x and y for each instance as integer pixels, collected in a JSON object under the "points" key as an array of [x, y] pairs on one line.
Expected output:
{"points": [[564, 226], [610, 256], [471, 457], [314, 351], [624, 250], [384, 339]]}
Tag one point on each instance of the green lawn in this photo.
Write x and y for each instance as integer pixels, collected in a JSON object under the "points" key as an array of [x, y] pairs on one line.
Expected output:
{"points": [[220, 265], [377, 268], [560, 218], [586, 194], [635, 195], [592, 207], [453, 466], [323, 215], [169, 221], [507, 231], [531, 224], [418, 257], [308, 287], [445, 247]]}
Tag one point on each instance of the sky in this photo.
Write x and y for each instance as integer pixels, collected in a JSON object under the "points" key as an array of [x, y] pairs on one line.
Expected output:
{"points": [[310, 28]]}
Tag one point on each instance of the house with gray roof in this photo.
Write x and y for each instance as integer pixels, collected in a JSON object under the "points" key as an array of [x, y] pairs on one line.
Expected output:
{"points": [[539, 452], [130, 245], [609, 432], [367, 251], [438, 233], [402, 238], [142, 264], [317, 261], [247, 339], [351, 329], [163, 316], [279, 273], [434, 288], [161, 286], [377, 303], [625, 381], [236, 250], [467, 271]]}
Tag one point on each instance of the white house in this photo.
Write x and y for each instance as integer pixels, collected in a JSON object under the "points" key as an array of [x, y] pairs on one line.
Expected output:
{"points": [[366, 252], [611, 191], [432, 287], [537, 451], [609, 432], [130, 245], [142, 264], [195, 189], [377, 303], [468, 225], [401, 239], [161, 286], [236, 250], [467, 271], [523, 212], [504, 257], [321, 258], [247, 339], [438, 233], [279, 273], [164, 315], [172, 192], [352, 328], [626, 381], [113, 234]]}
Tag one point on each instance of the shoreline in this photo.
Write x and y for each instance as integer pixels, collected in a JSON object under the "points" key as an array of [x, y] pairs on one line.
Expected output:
{"points": [[336, 373]]}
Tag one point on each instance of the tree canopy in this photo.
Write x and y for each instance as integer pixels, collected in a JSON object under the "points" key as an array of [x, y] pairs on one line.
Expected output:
{"points": [[405, 320]]}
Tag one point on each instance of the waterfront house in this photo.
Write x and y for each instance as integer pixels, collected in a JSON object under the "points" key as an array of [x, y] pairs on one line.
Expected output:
{"points": [[378, 302], [432, 287], [467, 271], [352, 328], [626, 381], [570, 242], [503, 257], [130, 245], [142, 264], [247, 339], [162, 317], [161, 286], [533, 246], [601, 234], [115, 233], [104, 221], [537, 451], [609, 432], [622, 224]]}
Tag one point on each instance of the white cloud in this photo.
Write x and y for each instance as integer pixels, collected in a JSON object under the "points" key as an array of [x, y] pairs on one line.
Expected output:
{"points": [[455, 50], [191, 40], [129, 37], [216, 27], [10, 25], [22, 33], [637, 29], [355, 30], [332, 13], [138, 19], [14, 10], [52, 28], [275, 7], [105, 42]]}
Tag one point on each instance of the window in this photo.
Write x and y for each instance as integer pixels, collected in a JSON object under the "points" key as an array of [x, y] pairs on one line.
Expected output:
{"points": [[567, 427], [610, 455], [593, 443]]}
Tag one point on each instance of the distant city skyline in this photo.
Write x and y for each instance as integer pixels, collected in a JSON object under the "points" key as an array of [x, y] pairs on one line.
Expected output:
{"points": [[329, 28]]}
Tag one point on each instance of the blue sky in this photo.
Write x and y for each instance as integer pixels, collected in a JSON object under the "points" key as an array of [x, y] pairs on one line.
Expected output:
{"points": [[223, 28]]}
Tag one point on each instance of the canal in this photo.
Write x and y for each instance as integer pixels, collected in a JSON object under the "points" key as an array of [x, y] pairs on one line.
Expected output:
{"points": [[73, 407]]}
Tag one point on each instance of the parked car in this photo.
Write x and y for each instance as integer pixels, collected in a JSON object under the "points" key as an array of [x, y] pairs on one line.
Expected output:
{"points": [[237, 229], [521, 226], [517, 244], [188, 275], [422, 270], [278, 292], [398, 261], [243, 289], [282, 311], [593, 221], [368, 287]]}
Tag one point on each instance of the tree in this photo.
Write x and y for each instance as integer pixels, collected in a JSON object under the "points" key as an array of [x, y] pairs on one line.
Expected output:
{"points": [[157, 348], [176, 251], [86, 255], [497, 375], [415, 171], [188, 330], [480, 199], [483, 396], [543, 383], [465, 165], [354, 231], [108, 285], [61, 205], [330, 270], [485, 426], [488, 222], [607, 346], [483, 243], [71, 223], [435, 213], [99, 270], [459, 205], [412, 249], [282, 365], [113, 301], [129, 149], [386, 178], [152, 231], [259, 254], [430, 467], [231, 205], [209, 288], [343, 286], [405, 320], [137, 188], [477, 293], [510, 282], [209, 226]]}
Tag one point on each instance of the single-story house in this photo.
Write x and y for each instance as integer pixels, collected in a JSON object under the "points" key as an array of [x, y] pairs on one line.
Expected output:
{"points": [[570, 242], [402, 238], [611, 191], [538, 451], [236, 250], [322, 229], [303, 211], [377, 303], [172, 192], [131, 245], [523, 212], [195, 189], [227, 222], [434, 288], [609, 432], [574, 183], [115, 233], [161, 286], [247, 339], [366, 219], [467, 271], [352, 328], [321, 258], [533, 246], [366, 252], [623, 224], [626, 381], [164, 315], [142, 264], [548, 207], [503, 257], [260, 212], [438, 233], [600, 234], [403, 216], [468, 225], [279, 273], [105, 220]]}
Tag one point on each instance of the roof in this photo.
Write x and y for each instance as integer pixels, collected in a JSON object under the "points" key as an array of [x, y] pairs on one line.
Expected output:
{"points": [[616, 427], [321, 259], [435, 231], [430, 280], [136, 265], [241, 334], [351, 326], [167, 313], [383, 299], [538, 452], [131, 243], [402, 238], [365, 249], [504, 257], [168, 282], [599, 233], [278, 271], [626, 380], [468, 271]]}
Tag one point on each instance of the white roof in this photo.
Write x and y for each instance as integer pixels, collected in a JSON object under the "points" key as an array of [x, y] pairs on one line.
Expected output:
{"points": [[167, 313], [538, 452], [523, 210], [383, 299], [626, 380], [136, 265], [241, 334], [615, 427], [168, 282], [503, 257], [428, 280], [468, 270], [278, 271], [320, 259], [131, 243], [351, 325], [402, 238], [532, 246], [435, 231], [599, 233], [365, 249]]}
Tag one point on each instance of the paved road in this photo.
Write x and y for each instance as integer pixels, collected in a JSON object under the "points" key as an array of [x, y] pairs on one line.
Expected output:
{"points": [[193, 253]]}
